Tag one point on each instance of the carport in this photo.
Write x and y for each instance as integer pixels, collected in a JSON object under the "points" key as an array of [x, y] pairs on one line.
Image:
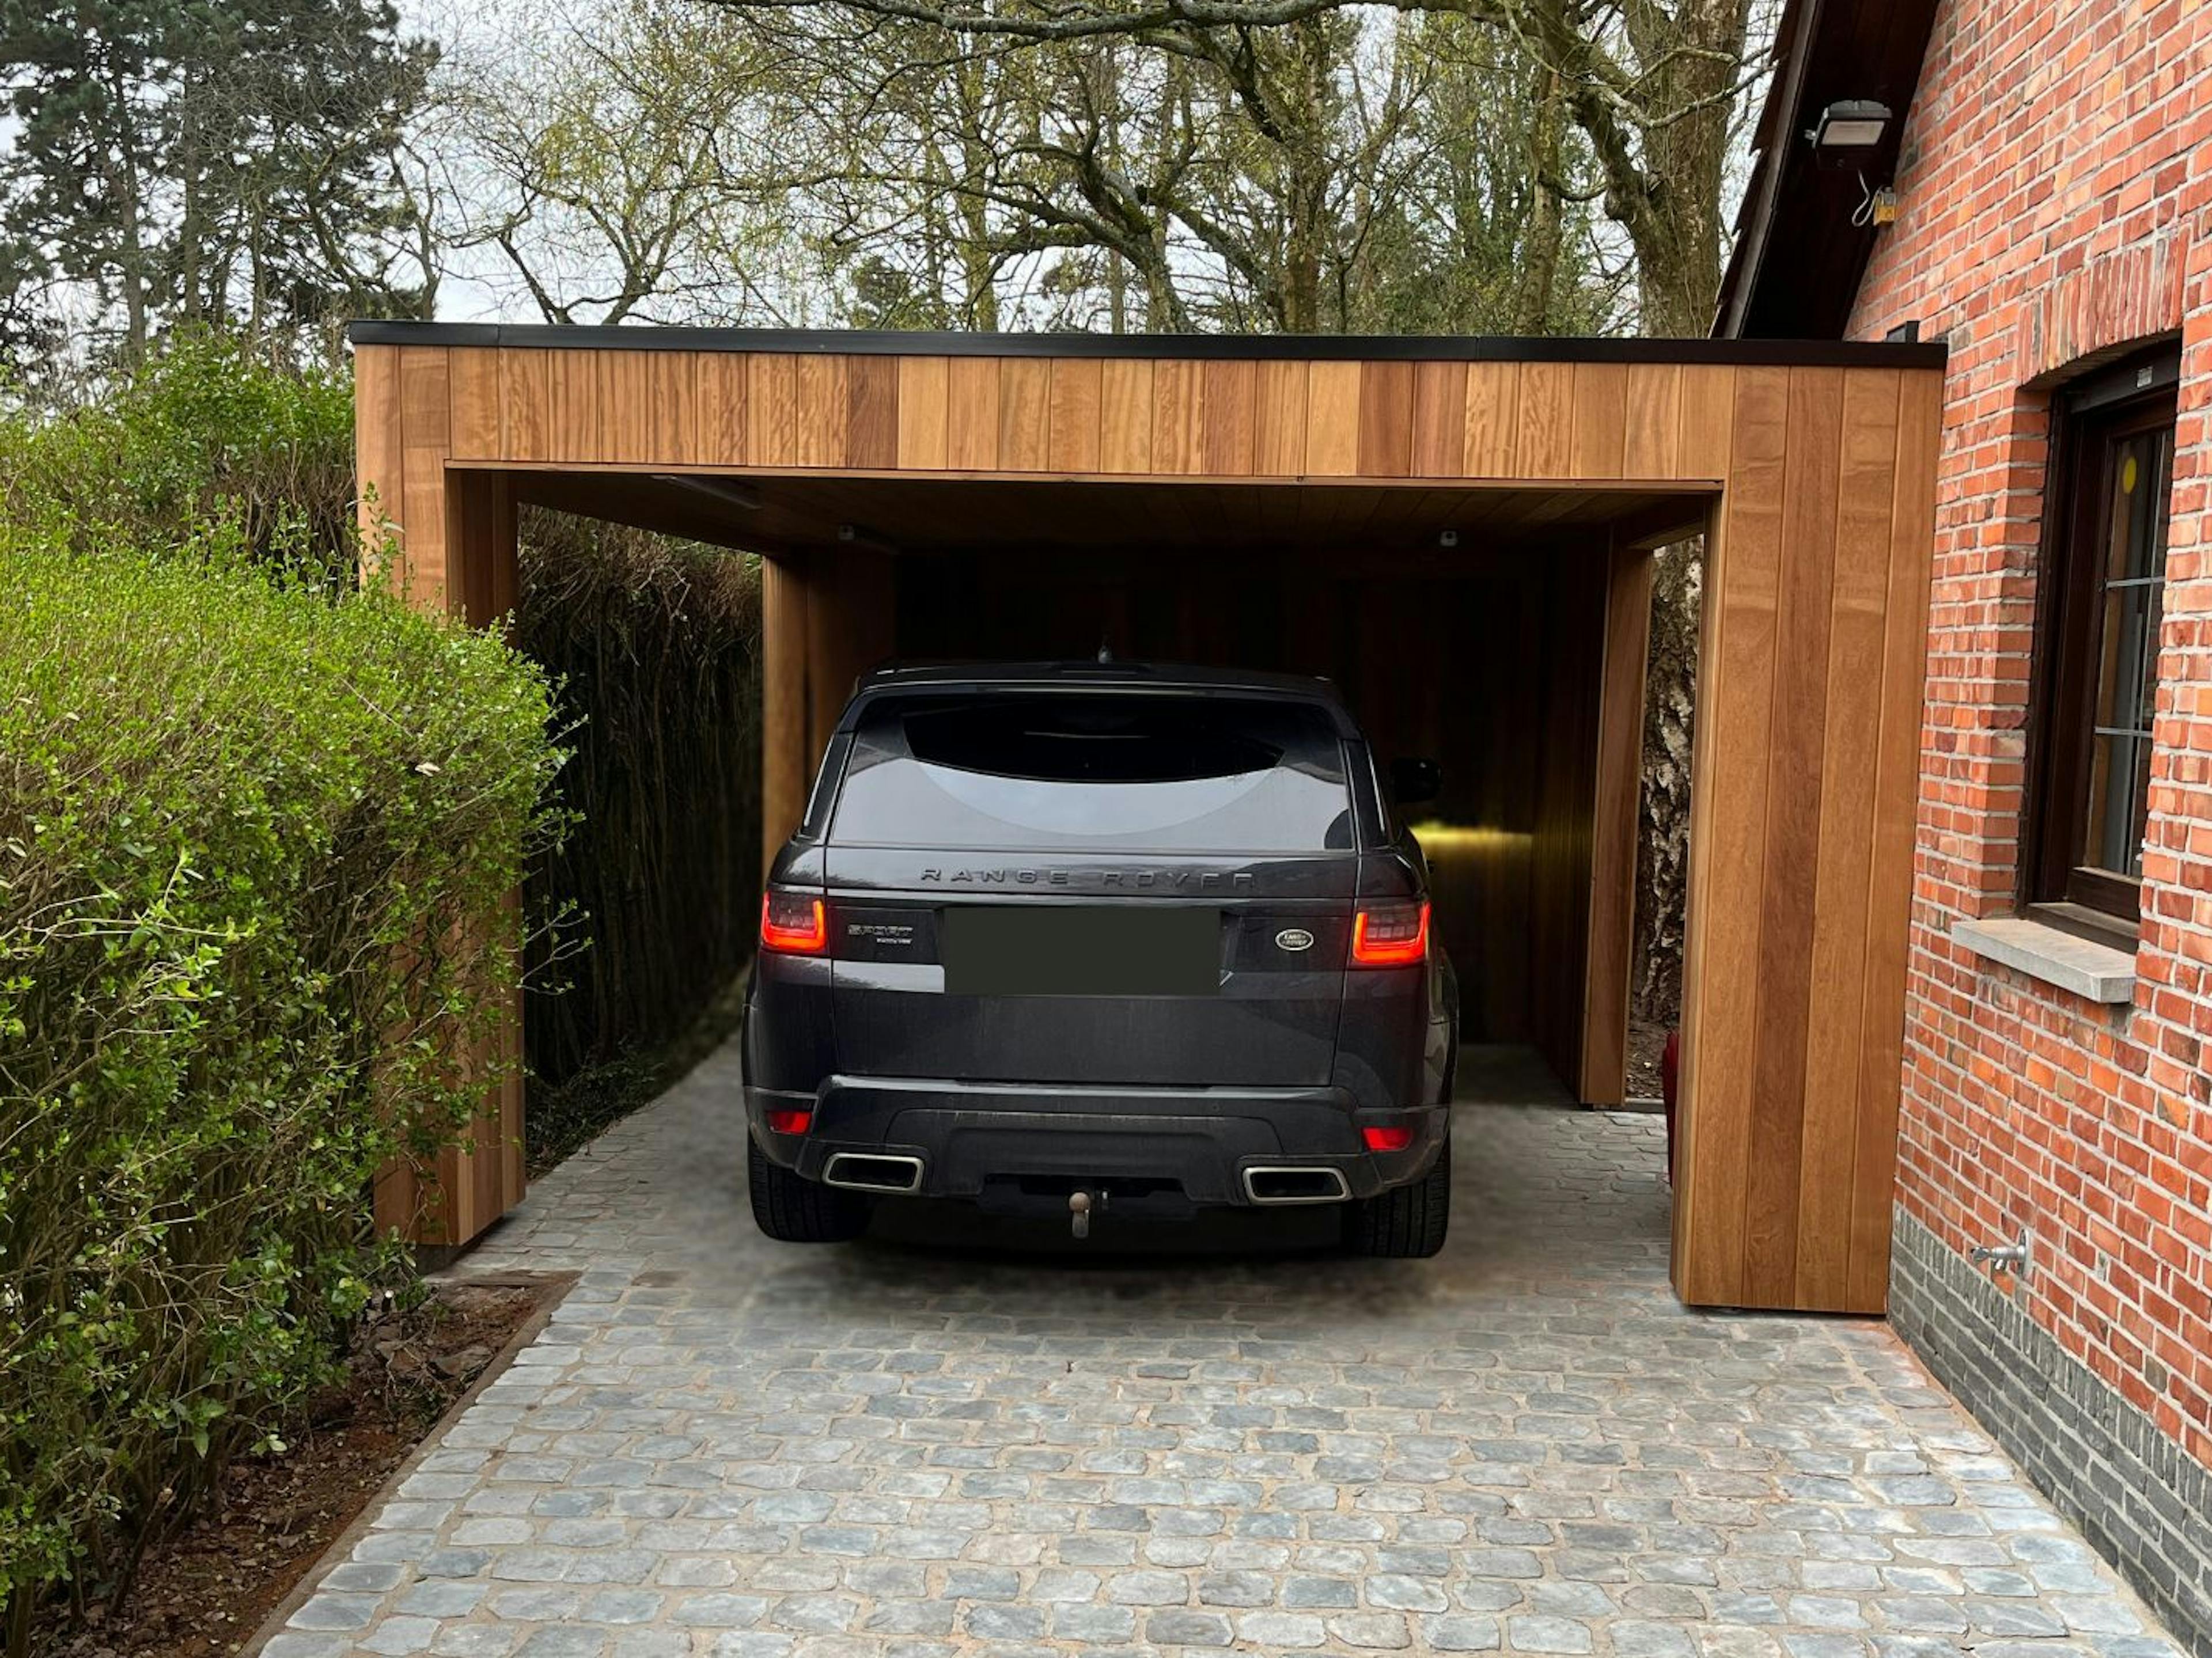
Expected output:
{"points": [[1459, 531]]}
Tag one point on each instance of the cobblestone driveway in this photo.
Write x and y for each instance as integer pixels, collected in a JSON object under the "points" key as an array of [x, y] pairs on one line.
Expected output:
{"points": [[930, 1444]]}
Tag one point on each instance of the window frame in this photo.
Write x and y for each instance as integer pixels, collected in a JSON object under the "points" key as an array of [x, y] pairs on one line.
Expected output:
{"points": [[2089, 420]]}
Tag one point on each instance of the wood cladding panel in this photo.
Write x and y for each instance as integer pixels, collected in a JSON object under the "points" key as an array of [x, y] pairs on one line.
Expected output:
{"points": [[971, 415], [1079, 391], [1896, 804], [472, 377], [1805, 776], [1125, 416], [1024, 415], [1614, 825], [872, 412], [379, 482], [922, 413], [1729, 795], [719, 388], [1279, 415]]}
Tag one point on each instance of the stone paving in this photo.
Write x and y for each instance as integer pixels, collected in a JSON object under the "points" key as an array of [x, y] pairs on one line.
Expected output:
{"points": [[965, 1436]]}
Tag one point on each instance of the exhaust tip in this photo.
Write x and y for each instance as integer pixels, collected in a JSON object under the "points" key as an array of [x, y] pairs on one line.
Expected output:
{"points": [[1277, 1185], [873, 1171]]}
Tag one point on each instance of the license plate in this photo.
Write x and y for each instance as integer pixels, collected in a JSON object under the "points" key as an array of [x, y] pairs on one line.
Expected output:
{"points": [[1075, 949]]}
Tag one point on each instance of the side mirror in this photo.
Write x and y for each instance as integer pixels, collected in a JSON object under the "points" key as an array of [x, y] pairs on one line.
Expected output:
{"points": [[1413, 781]]}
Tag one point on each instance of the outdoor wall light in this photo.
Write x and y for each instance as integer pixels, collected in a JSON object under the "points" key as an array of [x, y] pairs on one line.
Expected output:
{"points": [[1856, 124]]}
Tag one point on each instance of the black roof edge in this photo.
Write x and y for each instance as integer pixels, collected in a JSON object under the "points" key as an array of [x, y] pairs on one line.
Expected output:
{"points": [[1325, 348]]}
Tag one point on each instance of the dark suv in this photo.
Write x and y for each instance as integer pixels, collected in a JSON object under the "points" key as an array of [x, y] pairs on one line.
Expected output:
{"points": [[1101, 941]]}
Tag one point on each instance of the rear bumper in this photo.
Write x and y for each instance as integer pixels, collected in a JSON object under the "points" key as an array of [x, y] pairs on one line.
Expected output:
{"points": [[1025, 1147]]}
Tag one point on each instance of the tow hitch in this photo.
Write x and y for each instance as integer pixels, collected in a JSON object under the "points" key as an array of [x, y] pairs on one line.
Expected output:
{"points": [[1079, 1213]]}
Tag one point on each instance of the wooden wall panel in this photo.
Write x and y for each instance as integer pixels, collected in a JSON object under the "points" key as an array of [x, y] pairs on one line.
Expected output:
{"points": [[1544, 421], [1850, 741], [1794, 787], [1560, 887], [1805, 777], [971, 415], [772, 408], [785, 631], [1896, 804], [1598, 432], [1079, 388], [1386, 419], [1125, 416], [1024, 415], [1615, 826], [1652, 445], [720, 388], [1230, 419], [1736, 679], [1333, 419], [921, 412], [379, 484], [1493, 419], [1280, 419], [472, 373], [1440, 419], [672, 405], [572, 395], [872, 413], [823, 409], [624, 380], [526, 399], [1178, 417]]}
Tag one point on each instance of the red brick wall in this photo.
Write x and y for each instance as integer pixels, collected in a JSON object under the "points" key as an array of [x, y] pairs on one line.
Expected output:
{"points": [[2056, 202]]}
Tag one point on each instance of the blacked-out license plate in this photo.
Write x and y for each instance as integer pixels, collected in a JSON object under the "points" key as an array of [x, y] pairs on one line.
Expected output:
{"points": [[1078, 950]]}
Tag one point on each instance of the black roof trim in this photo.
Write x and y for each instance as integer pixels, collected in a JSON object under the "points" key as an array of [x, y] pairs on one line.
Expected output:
{"points": [[1325, 348]]}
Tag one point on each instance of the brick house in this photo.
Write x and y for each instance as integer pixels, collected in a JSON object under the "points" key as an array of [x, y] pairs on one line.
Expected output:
{"points": [[2051, 221]]}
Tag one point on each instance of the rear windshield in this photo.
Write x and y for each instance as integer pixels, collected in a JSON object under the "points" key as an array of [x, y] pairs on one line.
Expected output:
{"points": [[1083, 772]]}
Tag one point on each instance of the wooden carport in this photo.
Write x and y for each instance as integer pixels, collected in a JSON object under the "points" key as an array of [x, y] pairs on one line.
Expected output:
{"points": [[952, 494]]}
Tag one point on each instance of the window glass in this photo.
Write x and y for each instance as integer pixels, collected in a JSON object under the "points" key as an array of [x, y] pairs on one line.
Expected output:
{"points": [[2131, 581], [1096, 772]]}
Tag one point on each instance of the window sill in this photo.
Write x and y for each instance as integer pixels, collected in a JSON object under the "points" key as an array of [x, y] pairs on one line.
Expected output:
{"points": [[2095, 971]]}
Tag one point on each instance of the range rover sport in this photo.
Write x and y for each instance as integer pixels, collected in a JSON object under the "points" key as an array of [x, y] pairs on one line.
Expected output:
{"points": [[1101, 941]]}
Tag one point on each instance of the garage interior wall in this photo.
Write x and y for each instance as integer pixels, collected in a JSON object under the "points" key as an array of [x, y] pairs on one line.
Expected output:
{"points": [[1517, 660]]}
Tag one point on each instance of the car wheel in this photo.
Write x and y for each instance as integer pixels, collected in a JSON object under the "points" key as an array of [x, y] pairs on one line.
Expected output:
{"points": [[792, 1210], [1407, 1223]]}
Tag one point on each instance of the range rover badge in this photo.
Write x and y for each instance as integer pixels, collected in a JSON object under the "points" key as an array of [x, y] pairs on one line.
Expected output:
{"points": [[1294, 937]]}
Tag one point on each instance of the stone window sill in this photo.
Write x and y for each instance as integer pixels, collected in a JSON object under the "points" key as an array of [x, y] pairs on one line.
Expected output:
{"points": [[2097, 972]]}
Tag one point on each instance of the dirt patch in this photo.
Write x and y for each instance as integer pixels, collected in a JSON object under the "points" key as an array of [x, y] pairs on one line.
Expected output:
{"points": [[1647, 1041], [205, 1592]]}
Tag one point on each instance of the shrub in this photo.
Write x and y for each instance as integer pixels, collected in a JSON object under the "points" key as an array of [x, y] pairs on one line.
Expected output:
{"points": [[256, 839], [656, 644], [206, 432]]}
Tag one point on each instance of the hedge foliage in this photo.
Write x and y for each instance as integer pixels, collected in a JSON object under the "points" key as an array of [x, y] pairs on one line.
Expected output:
{"points": [[256, 835], [657, 643], [207, 433]]}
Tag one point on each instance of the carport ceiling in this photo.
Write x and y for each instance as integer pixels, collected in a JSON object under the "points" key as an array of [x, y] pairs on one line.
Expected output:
{"points": [[791, 511]]}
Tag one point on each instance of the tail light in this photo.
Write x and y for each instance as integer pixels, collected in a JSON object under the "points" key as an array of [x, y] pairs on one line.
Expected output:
{"points": [[793, 924], [790, 1122], [1395, 1138], [1390, 935]]}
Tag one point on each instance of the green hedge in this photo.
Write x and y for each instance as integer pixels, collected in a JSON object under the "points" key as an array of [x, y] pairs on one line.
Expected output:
{"points": [[252, 838], [206, 432]]}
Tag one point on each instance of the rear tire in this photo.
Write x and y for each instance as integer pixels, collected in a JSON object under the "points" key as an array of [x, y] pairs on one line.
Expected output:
{"points": [[1407, 1223], [793, 1209]]}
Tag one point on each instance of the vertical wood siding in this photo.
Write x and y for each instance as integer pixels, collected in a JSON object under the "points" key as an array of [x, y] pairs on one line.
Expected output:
{"points": [[1815, 604]]}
